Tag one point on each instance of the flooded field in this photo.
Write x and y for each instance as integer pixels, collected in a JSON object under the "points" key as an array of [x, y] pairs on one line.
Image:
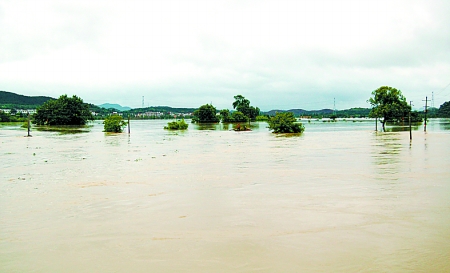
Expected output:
{"points": [[338, 198]]}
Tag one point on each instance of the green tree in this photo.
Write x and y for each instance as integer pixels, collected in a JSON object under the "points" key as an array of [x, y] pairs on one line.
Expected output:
{"points": [[4, 117], [238, 116], [63, 111], [285, 123], [205, 114], [444, 110], [225, 116], [114, 124], [242, 105], [240, 102], [177, 125], [388, 104]]}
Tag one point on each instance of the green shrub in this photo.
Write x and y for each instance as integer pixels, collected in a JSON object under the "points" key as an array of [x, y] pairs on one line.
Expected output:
{"points": [[285, 123], [238, 116], [177, 125], [114, 124]]}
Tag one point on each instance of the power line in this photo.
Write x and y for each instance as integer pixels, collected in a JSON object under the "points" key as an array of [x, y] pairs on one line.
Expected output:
{"points": [[442, 90]]}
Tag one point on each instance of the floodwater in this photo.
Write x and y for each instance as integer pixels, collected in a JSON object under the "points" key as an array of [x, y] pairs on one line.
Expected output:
{"points": [[338, 198]]}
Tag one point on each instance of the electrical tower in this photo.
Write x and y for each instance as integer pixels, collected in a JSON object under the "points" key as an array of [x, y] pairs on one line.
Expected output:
{"points": [[334, 106], [432, 99], [142, 101]]}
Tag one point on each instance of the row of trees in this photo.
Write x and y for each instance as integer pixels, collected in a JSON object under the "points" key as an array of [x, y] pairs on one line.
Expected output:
{"points": [[244, 112], [7, 117], [388, 105]]}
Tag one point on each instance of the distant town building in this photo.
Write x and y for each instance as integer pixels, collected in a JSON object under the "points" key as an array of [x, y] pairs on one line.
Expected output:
{"points": [[20, 111]]}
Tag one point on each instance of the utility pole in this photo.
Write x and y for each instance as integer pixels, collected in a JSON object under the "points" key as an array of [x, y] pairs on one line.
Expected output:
{"points": [[410, 109], [29, 125], [128, 123], [426, 110]]}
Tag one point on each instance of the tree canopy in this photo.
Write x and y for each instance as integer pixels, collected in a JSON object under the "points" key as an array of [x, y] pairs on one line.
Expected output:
{"points": [[114, 124], [444, 110], [242, 105], [63, 111], [205, 114], [177, 125], [285, 123], [388, 104]]}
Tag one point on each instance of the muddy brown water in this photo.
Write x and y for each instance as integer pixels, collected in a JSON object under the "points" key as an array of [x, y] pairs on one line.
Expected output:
{"points": [[338, 198]]}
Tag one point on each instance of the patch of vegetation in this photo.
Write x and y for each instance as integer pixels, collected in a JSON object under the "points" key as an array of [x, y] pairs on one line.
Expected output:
{"points": [[242, 105], [388, 105], [444, 110], [262, 118], [240, 128], [285, 123], [205, 114], [114, 124], [177, 125], [63, 111], [6, 117]]}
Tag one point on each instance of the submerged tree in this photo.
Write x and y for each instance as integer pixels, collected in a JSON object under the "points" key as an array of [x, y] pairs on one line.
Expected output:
{"points": [[225, 116], [444, 110], [63, 111], [114, 124], [242, 105], [388, 104], [205, 114], [177, 125], [285, 123]]}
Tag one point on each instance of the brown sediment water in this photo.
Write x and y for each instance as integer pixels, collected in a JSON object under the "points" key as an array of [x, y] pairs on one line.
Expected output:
{"points": [[338, 198]]}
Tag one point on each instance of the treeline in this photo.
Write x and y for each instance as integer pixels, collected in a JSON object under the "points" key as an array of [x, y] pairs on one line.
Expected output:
{"points": [[9, 100], [6, 117]]}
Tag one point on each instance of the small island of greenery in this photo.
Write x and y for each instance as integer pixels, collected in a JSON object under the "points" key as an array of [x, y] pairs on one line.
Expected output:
{"points": [[63, 111], [114, 124], [285, 123], [177, 125]]}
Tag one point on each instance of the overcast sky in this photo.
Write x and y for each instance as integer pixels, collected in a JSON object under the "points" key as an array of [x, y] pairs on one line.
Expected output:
{"points": [[279, 54]]}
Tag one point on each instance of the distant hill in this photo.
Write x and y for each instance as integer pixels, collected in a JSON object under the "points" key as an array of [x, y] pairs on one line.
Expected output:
{"points": [[163, 109], [13, 100], [9, 100], [115, 106]]}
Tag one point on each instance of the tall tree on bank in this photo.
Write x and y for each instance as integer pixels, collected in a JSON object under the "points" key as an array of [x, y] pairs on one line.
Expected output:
{"points": [[242, 105], [63, 111], [388, 104], [205, 114], [444, 110]]}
